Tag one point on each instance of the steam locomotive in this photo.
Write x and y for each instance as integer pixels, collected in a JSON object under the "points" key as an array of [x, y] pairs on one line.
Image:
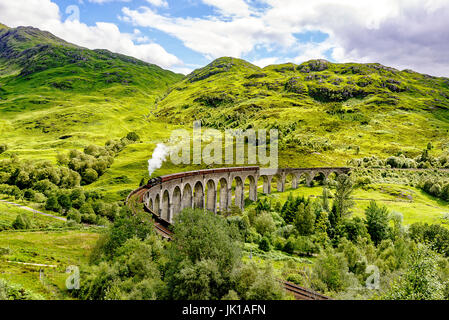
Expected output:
{"points": [[153, 181]]}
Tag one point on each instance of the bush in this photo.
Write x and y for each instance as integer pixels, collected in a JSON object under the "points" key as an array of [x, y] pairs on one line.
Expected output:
{"points": [[86, 209], [264, 244], [10, 291], [89, 218], [264, 223], [289, 246], [331, 271], [39, 197], [89, 176], [74, 215], [52, 203], [436, 235], [132, 136], [28, 194], [305, 246], [22, 222], [64, 202]]}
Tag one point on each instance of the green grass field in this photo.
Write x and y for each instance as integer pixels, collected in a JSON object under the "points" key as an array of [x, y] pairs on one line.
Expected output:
{"points": [[55, 248], [420, 208], [8, 214]]}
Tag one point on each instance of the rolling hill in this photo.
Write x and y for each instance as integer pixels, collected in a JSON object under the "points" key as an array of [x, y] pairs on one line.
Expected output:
{"points": [[326, 112], [56, 96]]}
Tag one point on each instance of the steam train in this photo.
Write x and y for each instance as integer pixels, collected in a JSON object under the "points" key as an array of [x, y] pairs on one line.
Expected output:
{"points": [[158, 180], [153, 181]]}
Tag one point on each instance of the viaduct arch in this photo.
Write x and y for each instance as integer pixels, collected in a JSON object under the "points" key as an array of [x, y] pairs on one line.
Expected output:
{"points": [[217, 189]]}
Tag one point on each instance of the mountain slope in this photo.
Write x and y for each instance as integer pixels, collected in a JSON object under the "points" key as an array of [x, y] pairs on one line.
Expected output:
{"points": [[55, 95], [326, 112]]}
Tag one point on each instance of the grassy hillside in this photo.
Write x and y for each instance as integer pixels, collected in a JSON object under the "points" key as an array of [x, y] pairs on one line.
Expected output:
{"points": [[326, 112], [55, 95]]}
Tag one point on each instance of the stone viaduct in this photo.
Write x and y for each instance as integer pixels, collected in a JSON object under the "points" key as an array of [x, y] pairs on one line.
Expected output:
{"points": [[217, 189]]}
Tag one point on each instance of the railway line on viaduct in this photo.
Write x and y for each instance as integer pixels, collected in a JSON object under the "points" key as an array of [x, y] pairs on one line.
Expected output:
{"points": [[212, 189]]}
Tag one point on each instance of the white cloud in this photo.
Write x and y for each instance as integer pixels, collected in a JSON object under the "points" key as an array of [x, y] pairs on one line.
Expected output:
{"points": [[400, 33], [102, 35], [106, 1], [213, 37], [265, 61], [158, 3], [230, 7]]}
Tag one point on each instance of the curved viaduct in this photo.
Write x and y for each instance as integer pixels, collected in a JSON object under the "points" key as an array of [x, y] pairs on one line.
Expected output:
{"points": [[213, 190]]}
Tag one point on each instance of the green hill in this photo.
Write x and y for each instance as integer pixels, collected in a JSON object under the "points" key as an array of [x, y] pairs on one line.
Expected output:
{"points": [[326, 112], [55, 95]]}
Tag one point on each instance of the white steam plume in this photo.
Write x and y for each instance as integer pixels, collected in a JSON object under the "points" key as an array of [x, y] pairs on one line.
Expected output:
{"points": [[159, 154]]}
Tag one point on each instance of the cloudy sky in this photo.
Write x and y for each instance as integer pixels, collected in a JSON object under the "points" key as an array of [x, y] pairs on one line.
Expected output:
{"points": [[182, 35]]}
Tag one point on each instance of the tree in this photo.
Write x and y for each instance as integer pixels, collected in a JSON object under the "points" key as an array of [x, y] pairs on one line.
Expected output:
{"points": [[421, 280], [325, 199], [264, 244], [90, 175], [204, 253], [86, 209], [354, 229], [133, 273], [304, 220], [264, 223], [343, 200], [52, 203], [377, 222], [74, 215], [125, 227], [322, 226], [329, 273], [64, 202], [334, 222]]}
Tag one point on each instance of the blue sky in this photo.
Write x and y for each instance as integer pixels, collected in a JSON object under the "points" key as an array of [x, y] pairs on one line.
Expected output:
{"points": [[183, 35]]}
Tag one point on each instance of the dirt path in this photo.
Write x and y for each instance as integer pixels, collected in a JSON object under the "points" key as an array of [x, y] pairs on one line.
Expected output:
{"points": [[33, 210]]}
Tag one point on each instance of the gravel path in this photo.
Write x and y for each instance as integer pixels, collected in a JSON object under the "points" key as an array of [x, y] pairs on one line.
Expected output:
{"points": [[33, 210]]}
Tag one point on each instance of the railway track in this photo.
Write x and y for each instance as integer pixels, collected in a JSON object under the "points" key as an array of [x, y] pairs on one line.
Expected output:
{"points": [[162, 228], [301, 293]]}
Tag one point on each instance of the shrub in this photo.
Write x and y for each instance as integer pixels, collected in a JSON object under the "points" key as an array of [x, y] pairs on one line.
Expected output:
{"points": [[305, 246], [52, 203], [89, 176], [264, 223], [74, 215], [331, 270], [29, 194], [289, 246], [132, 136], [22, 222], [39, 197], [64, 202], [86, 209], [264, 244], [89, 218]]}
